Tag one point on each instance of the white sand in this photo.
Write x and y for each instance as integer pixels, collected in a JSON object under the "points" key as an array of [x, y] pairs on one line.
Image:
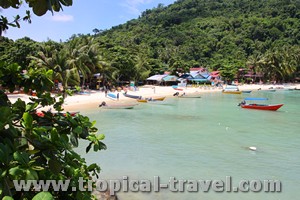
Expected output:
{"points": [[92, 99]]}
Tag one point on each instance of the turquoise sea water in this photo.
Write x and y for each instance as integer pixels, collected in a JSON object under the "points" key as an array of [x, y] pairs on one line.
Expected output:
{"points": [[204, 138]]}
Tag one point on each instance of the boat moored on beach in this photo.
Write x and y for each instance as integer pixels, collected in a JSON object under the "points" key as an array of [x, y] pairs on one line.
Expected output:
{"points": [[231, 92], [158, 98], [132, 96], [272, 107], [112, 96], [189, 95], [154, 99], [231, 89], [117, 106]]}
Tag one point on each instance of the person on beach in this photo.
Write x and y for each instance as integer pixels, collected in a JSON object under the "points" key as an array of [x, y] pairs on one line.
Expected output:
{"points": [[118, 95], [105, 92]]}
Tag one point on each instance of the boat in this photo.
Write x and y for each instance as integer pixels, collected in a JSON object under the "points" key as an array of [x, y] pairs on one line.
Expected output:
{"points": [[112, 96], [179, 89], [175, 87], [262, 107], [231, 92], [146, 100], [132, 96], [246, 91], [231, 89], [142, 100], [159, 98], [273, 107], [189, 96], [117, 106]]}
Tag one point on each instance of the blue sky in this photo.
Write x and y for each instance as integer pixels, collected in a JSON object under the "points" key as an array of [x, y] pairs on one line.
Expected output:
{"points": [[82, 17]]}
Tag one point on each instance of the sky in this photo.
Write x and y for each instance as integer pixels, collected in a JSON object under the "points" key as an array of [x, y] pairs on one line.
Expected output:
{"points": [[81, 18]]}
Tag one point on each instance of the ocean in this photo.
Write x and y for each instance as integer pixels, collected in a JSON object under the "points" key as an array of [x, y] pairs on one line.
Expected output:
{"points": [[202, 139]]}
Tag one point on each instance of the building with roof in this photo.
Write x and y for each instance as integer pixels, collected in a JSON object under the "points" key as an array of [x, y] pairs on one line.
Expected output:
{"points": [[165, 79]]}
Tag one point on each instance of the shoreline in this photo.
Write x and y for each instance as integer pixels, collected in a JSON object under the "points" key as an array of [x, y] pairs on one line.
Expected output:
{"points": [[92, 99]]}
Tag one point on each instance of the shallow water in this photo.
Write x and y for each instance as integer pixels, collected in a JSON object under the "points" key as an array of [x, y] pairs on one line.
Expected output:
{"points": [[206, 138]]}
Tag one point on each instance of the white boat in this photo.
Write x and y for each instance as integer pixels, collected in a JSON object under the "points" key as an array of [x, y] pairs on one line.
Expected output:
{"points": [[117, 106], [190, 96], [231, 89]]}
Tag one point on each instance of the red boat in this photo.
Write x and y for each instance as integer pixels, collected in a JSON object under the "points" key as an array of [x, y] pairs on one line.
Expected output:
{"points": [[262, 106], [273, 107]]}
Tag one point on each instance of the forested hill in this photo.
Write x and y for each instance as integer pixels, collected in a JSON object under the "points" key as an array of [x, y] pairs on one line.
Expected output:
{"points": [[226, 35], [219, 34]]}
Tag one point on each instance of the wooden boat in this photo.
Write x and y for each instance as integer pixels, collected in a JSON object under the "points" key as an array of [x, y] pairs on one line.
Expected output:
{"points": [[142, 100], [117, 106], [125, 106], [132, 96], [151, 99], [159, 98], [262, 106], [231, 92], [273, 107], [189, 96]]}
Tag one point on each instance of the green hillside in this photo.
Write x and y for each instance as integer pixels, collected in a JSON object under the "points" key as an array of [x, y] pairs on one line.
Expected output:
{"points": [[218, 34], [261, 36]]}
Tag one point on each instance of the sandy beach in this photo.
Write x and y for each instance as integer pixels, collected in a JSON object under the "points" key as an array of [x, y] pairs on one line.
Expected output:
{"points": [[92, 99]]}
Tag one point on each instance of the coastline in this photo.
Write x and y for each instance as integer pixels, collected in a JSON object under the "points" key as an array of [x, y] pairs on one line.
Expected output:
{"points": [[92, 99]]}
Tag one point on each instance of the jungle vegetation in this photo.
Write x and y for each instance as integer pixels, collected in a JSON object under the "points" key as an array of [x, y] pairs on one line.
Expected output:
{"points": [[224, 35]]}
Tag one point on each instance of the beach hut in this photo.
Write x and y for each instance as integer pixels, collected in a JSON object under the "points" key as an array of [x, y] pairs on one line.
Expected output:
{"points": [[198, 77], [165, 79], [156, 79], [170, 80]]}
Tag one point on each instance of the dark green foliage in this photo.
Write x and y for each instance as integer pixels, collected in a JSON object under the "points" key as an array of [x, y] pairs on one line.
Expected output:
{"points": [[41, 148], [20, 50]]}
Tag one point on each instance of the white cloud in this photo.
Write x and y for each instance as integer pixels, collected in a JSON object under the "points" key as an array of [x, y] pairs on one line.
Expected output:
{"points": [[62, 18], [133, 5]]}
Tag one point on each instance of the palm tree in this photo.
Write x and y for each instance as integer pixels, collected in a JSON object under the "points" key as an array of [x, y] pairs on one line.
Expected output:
{"points": [[85, 57], [279, 64], [141, 68], [58, 61]]}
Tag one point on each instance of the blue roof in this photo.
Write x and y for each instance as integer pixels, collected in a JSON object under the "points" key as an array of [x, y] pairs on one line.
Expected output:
{"points": [[256, 98], [199, 80], [170, 78]]}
